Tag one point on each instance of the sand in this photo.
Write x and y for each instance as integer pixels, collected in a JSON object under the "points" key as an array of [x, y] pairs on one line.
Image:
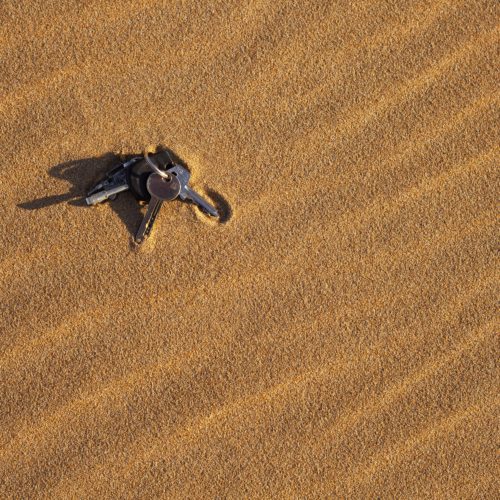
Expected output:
{"points": [[334, 335]]}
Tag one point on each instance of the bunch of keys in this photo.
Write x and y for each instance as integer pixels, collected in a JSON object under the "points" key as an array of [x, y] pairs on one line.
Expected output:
{"points": [[152, 179]]}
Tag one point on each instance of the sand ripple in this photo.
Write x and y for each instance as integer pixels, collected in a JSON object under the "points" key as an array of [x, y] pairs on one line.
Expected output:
{"points": [[336, 335]]}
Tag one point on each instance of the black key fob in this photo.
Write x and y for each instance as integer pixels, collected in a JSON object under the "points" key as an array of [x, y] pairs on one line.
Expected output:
{"points": [[137, 174]]}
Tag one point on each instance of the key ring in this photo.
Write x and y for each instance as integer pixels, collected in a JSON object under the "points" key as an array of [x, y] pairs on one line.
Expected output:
{"points": [[155, 167]]}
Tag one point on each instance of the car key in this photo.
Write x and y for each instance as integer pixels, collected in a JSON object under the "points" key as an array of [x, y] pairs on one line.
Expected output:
{"points": [[115, 182], [186, 193], [106, 194], [161, 189], [132, 174]]}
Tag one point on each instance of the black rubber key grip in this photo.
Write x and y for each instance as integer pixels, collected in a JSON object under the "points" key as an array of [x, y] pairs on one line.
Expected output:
{"points": [[137, 175]]}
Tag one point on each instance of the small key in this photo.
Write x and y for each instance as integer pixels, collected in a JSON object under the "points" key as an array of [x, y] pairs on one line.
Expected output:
{"points": [[186, 193], [161, 189]]}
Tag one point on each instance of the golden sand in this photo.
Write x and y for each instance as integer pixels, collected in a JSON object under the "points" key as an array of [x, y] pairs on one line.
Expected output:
{"points": [[334, 334]]}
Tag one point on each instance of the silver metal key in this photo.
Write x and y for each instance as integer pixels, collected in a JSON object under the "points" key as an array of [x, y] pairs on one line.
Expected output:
{"points": [[161, 189], [186, 193], [106, 194], [115, 182]]}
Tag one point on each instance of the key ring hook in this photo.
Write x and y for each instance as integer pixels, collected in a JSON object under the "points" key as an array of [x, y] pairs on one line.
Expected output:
{"points": [[155, 167]]}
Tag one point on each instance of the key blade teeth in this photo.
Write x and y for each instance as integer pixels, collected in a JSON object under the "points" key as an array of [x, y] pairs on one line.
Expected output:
{"points": [[97, 198], [105, 194], [148, 220], [114, 178], [200, 202], [210, 211], [91, 202]]}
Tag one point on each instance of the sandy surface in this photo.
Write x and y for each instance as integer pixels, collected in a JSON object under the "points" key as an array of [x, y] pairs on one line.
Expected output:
{"points": [[334, 334]]}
